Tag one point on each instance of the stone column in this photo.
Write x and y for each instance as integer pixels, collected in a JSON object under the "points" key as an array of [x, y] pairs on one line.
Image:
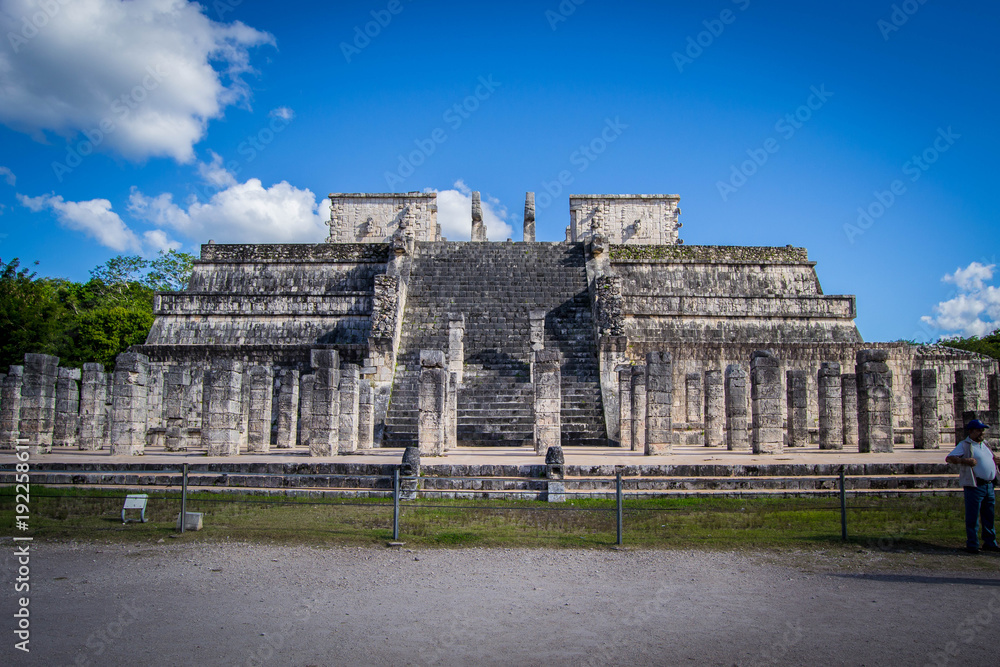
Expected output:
{"points": [[659, 403], [288, 408], [451, 412], [692, 397], [221, 414], [967, 399], [924, 397], [259, 408], [797, 393], [849, 395], [431, 403], [715, 409], [765, 401], [737, 434], [366, 412], [874, 401], [325, 427], [93, 398], [307, 387], [349, 402], [555, 472], [625, 406], [478, 227], [993, 416], [831, 406], [638, 417], [38, 402], [176, 380], [128, 404], [10, 407], [547, 381], [456, 345], [67, 425], [409, 469], [529, 217]]}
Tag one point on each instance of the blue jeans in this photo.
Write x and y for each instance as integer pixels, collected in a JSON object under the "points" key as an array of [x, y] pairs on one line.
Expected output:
{"points": [[980, 503]]}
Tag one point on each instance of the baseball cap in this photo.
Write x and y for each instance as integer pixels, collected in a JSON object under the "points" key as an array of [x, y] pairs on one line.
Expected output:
{"points": [[975, 423]]}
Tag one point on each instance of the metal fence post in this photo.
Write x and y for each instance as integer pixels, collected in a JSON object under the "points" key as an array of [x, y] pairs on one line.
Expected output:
{"points": [[395, 504], [618, 502], [184, 497], [843, 507]]}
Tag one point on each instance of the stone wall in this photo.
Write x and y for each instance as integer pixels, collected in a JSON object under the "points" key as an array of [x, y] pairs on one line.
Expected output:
{"points": [[374, 218], [636, 219]]}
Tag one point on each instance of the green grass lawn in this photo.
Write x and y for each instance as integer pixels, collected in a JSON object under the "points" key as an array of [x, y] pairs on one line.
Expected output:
{"points": [[925, 523]]}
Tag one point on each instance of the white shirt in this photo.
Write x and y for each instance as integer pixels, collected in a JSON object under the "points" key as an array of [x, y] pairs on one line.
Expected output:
{"points": [[985, 467]]}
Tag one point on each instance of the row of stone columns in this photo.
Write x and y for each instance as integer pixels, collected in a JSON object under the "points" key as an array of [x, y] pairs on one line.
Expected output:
{"points": [[744, 411]]}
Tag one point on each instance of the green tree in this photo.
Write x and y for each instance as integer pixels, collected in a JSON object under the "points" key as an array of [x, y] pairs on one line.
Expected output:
{"points": [[102, 334], [170, 271], [988, 345], [32, 319]]}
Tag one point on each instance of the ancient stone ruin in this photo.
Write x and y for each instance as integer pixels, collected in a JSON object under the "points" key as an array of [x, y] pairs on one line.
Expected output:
{"points": [[389, 335]]}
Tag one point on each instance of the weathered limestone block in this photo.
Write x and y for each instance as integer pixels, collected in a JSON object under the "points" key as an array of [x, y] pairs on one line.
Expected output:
{"points": [[849, 396], [715, 409], [737, 396], [409, 473], [874, 402], [349, 403], [638, 417], [38, 402], [968, 398], [659, 403], [797, 392], [555, 472], [765, 400], [366, 412], [692, 397], [288, 408], [456, 345], [128, 404], [222, 415], [451, 412], [625, 406], [307, 388], [831, 406], [431, 403], [261, 396], [536, 331], [325, 427], [547, 381], [478, 227], [10, 407], [610, 316], [529, 217], [993, 416], [67, 425], [175, 409], [924, 398], [383, 316]]}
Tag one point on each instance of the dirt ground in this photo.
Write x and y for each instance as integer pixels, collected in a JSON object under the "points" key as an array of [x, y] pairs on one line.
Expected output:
{"points": [[240, 604]]}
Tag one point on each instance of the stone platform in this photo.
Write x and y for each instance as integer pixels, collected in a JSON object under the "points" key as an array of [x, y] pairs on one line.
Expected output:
{"points": [[510, 473]]}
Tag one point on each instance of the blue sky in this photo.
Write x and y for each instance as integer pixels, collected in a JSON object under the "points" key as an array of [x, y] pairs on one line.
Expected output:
{"points": [[863, 131]]}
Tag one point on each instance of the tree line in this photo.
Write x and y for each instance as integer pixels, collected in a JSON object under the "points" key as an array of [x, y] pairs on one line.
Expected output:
{"points": [[82, 322]]}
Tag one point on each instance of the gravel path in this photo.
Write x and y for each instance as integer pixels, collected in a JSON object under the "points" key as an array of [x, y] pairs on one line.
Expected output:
{"points": [[238, 604]]}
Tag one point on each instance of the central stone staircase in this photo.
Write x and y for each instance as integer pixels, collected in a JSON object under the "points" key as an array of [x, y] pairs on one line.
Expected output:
{"points": [[496, 286]]}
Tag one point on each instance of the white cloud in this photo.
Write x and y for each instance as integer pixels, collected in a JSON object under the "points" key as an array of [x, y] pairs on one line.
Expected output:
{"points": [[140, 78], [284, 113], [8, 176], [94, 218], [455, 214], [974, 310], [241, 213]]}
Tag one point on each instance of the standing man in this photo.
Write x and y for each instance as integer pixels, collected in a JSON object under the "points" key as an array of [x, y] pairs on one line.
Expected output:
{"points": [[977, 476]]}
